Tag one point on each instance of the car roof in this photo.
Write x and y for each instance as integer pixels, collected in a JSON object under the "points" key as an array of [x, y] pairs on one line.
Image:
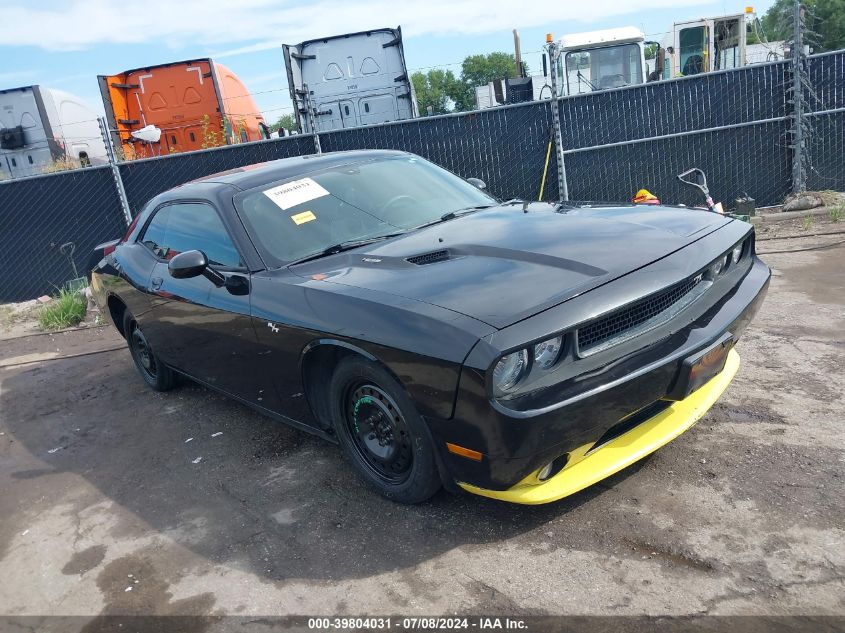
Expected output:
{"points": [[260, 174]]}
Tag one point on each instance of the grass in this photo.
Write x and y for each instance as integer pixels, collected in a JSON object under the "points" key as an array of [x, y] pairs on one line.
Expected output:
{"points": [[65, 310], [836, 213], [12, 315], [61, 164], [807, 222], [8, 317]]}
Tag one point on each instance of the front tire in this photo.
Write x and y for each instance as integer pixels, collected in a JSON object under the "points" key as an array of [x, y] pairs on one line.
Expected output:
{"points": [[154, 372], [381, 432]]}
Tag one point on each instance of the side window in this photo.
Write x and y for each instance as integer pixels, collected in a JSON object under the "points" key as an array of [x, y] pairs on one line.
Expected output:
{"points": [[177, 228], [153, 237]]}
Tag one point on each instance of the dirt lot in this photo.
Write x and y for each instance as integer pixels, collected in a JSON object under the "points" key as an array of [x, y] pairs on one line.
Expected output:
{"points": [[107, 509]]}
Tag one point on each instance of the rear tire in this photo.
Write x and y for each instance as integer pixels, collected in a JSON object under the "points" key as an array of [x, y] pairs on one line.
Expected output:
{"points": [[154, 372], [381, 432]]}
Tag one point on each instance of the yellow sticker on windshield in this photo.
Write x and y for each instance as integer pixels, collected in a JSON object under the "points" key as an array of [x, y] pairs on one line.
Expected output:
{"points": [[302, 218]]}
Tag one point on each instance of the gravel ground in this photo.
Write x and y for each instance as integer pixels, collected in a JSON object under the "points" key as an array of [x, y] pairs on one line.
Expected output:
{"points": [[118, 500]]}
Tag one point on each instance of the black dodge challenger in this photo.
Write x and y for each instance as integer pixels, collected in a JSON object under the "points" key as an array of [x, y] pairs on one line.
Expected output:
{"points": [[517, 350]]}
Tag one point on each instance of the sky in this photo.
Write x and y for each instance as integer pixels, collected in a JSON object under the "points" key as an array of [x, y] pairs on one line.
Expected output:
{"points": [[65, 44]]}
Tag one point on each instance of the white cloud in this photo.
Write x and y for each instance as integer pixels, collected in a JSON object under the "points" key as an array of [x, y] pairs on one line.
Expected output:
{"points": [[278, 78], [252, 48], [15, 75], [68, 78], [78, 24]]}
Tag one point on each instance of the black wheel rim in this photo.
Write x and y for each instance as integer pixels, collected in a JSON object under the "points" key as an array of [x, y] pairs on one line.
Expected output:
{"points": [[380, 436], [142, 353]]}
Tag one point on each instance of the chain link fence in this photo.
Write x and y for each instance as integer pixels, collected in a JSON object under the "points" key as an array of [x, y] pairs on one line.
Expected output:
{"points": [[146, 178], [824, 94], [42, 214], [506, 147], [737, 125], [732, 124]]}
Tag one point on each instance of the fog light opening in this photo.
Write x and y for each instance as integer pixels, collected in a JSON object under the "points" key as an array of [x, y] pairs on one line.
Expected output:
{"points": [[553, 467]]}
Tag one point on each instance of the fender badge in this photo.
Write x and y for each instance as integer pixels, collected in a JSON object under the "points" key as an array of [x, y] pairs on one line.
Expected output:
{"points": [[273, 327], [370, 259]]}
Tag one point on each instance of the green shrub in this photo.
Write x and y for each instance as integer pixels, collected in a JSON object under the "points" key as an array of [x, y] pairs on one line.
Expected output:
{"points": [[65, 310]]}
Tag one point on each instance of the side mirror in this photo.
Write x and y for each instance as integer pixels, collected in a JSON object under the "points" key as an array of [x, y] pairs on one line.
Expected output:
{"points": [[193, 264], [188, 264], [477, 182]]}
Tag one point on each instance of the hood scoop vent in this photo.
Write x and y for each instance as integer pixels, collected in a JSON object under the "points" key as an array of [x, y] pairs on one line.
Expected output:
{"points": [[429, 258]]}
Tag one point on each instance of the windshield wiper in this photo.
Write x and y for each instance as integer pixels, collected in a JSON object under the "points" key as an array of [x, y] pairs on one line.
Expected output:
{"points": [[340, 247], [451, 215]]}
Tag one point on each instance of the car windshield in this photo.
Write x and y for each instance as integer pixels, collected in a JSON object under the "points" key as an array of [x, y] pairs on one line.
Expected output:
{"points": [[349, 203]]}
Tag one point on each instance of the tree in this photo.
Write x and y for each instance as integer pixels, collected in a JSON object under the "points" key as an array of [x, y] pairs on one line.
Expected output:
{"points": [[286, 121], [444, 92], [824, 17], [479, 70], [434, 89]]}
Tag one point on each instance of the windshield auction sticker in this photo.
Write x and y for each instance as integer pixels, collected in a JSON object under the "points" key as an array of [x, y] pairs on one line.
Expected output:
{"points": [[302, 218], [297, 192]]}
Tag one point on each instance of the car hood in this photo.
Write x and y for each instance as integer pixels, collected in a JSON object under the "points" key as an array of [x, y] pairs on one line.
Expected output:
{"points": [[507, 263]]}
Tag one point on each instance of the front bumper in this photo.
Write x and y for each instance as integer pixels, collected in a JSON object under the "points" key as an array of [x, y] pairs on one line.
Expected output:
{"points": [[612, 398], [630, 447]]}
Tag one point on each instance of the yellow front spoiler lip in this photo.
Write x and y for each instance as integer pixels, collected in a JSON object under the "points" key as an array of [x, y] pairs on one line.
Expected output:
{"points": [[622, 451]]}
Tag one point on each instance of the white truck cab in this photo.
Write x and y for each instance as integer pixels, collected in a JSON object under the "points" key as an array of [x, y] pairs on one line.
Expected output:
{"points": [[600, 60], [707, 44]]}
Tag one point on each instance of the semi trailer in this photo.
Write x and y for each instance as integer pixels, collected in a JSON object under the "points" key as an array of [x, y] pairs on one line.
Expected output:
{"points": [[195, 104], [350, 80], [40, 127]]}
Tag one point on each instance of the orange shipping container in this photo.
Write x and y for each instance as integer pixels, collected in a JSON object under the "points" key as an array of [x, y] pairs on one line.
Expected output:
{"points": [[196, 104]]}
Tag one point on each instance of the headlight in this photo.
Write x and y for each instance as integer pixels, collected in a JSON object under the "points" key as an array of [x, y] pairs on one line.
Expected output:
{"points": [[737, 252], [546, 352], [718, 266], [509, 370]]}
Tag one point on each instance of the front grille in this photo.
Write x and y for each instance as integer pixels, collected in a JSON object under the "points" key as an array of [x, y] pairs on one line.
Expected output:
{"points": [[617, 325], [429, 258]]}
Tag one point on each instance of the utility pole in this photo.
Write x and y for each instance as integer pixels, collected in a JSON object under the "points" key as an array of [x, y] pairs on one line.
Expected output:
{"points": [[554, 54], [799, 183], [115, 171]]}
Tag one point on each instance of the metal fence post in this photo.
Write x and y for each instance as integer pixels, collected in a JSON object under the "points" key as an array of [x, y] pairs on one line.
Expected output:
{"points": [[311, 113], [563, 186], [799, 175], [115, 171]]}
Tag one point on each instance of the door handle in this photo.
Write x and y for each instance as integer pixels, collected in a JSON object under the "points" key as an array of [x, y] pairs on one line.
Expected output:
{"points": [[156, 282]]}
